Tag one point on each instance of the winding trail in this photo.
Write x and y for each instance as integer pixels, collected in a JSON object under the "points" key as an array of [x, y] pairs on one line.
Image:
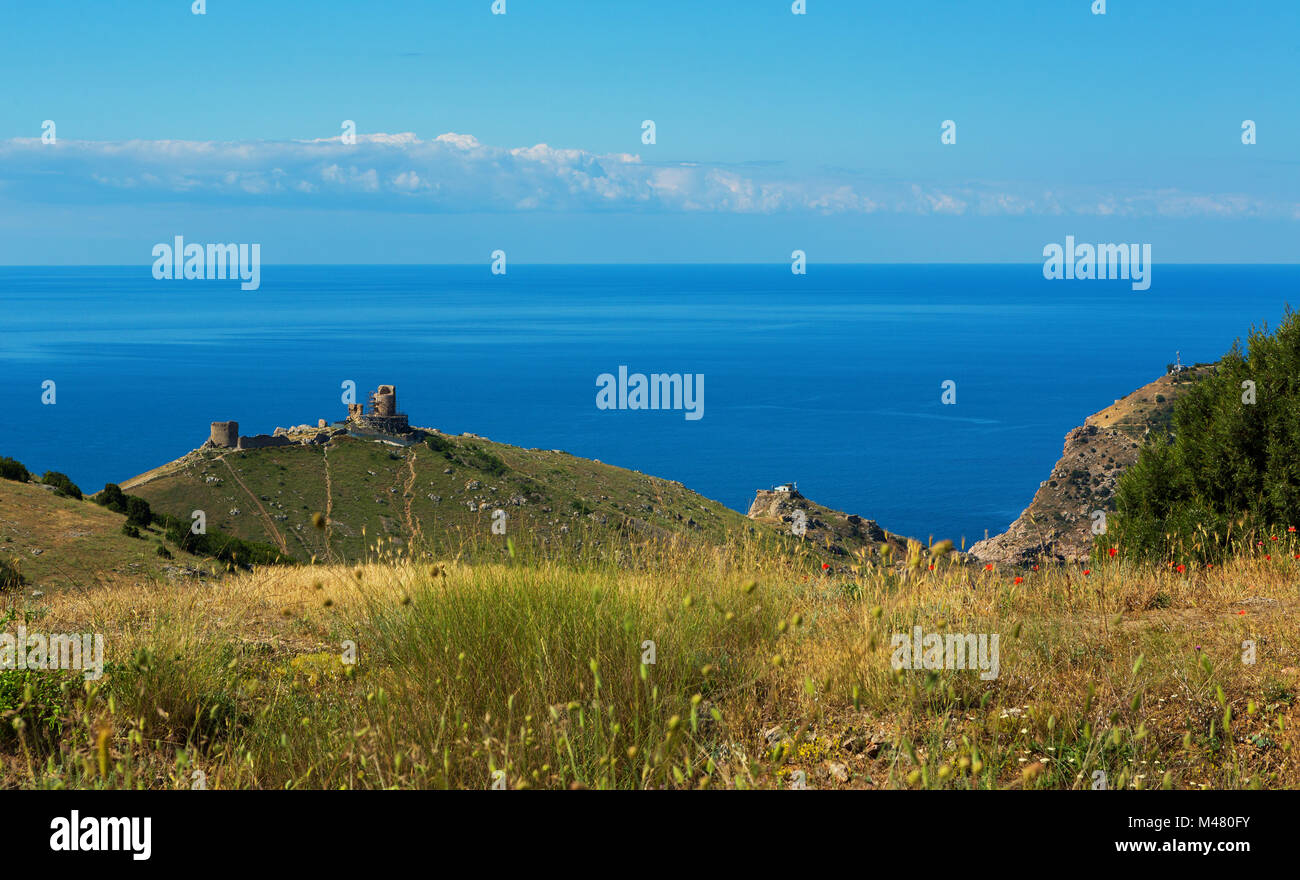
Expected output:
{"points": [[329, 505], [408, 493], [270, 523]]}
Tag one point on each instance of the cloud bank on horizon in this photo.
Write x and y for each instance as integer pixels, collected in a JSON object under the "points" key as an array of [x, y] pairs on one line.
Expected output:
{"points": [[456, 173]]}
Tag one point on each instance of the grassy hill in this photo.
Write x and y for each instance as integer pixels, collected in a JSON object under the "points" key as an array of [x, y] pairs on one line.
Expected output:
{"points": [[353, 500], [442, 495], [60, 542]]}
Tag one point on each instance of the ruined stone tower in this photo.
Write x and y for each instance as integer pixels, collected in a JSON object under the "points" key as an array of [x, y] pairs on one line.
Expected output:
{"points": [[384, 401], [224, 435], [380, 413]]}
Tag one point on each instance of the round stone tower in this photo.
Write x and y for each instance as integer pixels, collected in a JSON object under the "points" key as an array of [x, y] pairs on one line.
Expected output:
{"points": [[224, 435], [386, 401]]}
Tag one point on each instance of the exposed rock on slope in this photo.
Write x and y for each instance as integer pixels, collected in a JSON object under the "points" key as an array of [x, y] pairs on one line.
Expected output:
{"points": [[830, 530], [1057, 524]]}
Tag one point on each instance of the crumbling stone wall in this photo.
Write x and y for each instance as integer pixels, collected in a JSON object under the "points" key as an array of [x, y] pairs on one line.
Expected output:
{"points": [[262, 441]]}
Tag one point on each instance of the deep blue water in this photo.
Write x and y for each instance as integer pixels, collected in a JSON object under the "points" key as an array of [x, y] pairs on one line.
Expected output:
{"points": [[831, 379]]}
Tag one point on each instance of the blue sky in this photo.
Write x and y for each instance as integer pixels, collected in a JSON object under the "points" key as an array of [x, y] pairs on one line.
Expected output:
{"points": [[774, 131]]}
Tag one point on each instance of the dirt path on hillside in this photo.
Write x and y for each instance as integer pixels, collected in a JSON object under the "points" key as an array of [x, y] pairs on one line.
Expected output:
{"points": [[1175, 619], [329, 505], [408, 495], [270, 523]]}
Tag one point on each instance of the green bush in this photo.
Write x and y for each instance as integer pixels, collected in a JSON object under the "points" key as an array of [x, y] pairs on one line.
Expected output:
{"points": [[62, 484], [112, 497], [11, 469], [138, 512], [439, 444], [475, 457], [467, 454], [1231, 473], [227, 548]]}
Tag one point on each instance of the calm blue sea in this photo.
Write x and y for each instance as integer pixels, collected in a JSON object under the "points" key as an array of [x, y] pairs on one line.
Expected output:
{"points": [[831, 379]]}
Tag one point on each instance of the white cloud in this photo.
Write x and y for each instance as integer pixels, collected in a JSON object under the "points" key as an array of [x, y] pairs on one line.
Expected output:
{"points": [[457, 173]]}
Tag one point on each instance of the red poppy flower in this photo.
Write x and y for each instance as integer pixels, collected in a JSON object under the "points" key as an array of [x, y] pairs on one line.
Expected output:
{"points": [[1114, 550], [1270, 556], [932, 567], [1035, 568], [1020, 580], [1182, 568], [825, 565], [1087, 571], [1290, 528], [1274, 538], [988, 567]]}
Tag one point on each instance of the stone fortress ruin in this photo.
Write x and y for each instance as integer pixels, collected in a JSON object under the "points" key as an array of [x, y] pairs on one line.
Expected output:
{"points": [[378, 419], [380, 414]]}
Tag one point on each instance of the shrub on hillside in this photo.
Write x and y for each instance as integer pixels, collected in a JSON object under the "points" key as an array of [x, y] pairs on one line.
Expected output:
{"points": [[440, 445], [11, 469], [137, 510], [227, 548], [62, 484], [1232, 469], [112, 497], [483, 460], [467, 454]]}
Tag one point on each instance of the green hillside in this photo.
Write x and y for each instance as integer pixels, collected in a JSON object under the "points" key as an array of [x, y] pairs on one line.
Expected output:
{"points": [[57, 542], [444, 490]]}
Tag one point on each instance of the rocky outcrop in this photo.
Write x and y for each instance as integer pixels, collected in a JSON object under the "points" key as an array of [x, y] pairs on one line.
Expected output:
{"points": [[1057, 526], [791, 513]]}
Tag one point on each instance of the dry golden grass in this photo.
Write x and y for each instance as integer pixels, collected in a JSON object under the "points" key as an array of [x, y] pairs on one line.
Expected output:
{"points": [[768, 673]]}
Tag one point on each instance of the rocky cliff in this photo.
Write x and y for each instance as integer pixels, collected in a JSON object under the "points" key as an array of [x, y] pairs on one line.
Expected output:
{"points": [[1057, 524]]}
